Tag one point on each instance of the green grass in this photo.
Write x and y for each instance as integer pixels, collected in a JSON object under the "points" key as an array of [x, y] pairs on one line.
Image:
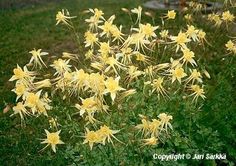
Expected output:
{"points": [[22, 30]]}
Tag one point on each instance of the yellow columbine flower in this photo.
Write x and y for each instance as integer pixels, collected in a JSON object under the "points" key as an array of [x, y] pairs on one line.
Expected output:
{"points": [[43, 84], [230, 46], [164, 34], [154, 127], [157, 86], [20, 74], [165, 121], [192, 32], [188, 57], [137, 39], [188, 17], [171, 14], [227, 16], [116, 33], [195, 75], [133, 73], [112, 87], [104, 48], [32, 99], [107, 27], [105, 133], [21, 110], [36, 57], [197, 91], [148, 30], [112, 62], [63, 17], [52, 139], [150, 141], [20, 89], [90, 39], [144, 127], [137, 11], [89, 105], [95, 19], [180, 40], [61, 66], [178, 73], [91, 137]]}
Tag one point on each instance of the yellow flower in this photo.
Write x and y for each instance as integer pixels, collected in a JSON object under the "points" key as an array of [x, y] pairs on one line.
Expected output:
{"points": [[89, 105], [188, 56], [107, 27], [157, 86], [36, 57], [112, 87], [112, 62], [43, 84], [104, 48], [154, 127], [116, 33], [20, 89], [171, 14], [150, 141], [144, 127], [20, 74], [165, 121], [137, 39], [137, 11], [133, 73], [148, 30], [164, 34], [91, 137], [52, 139], [227, 16], [90, 39], [61, 66], [178, 73], [21, 110], [192, 33], [230, 45], [32, 99], [180, 40], [62, 17], [105, 133], [195, 75], [188, 17], [197, 91], [95, 19]]}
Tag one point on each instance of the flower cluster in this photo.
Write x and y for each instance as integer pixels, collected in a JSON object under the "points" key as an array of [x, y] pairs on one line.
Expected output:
{"points": [[115, 59], [154, 128]]}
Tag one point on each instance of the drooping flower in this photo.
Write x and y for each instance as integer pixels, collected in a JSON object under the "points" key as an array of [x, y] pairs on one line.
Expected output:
{"points": [[64, 17], [197, 91], [157, 86], [36, 57], [165, 121], [188, 57], [137, 11], [150, 141], [105, 133]]}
